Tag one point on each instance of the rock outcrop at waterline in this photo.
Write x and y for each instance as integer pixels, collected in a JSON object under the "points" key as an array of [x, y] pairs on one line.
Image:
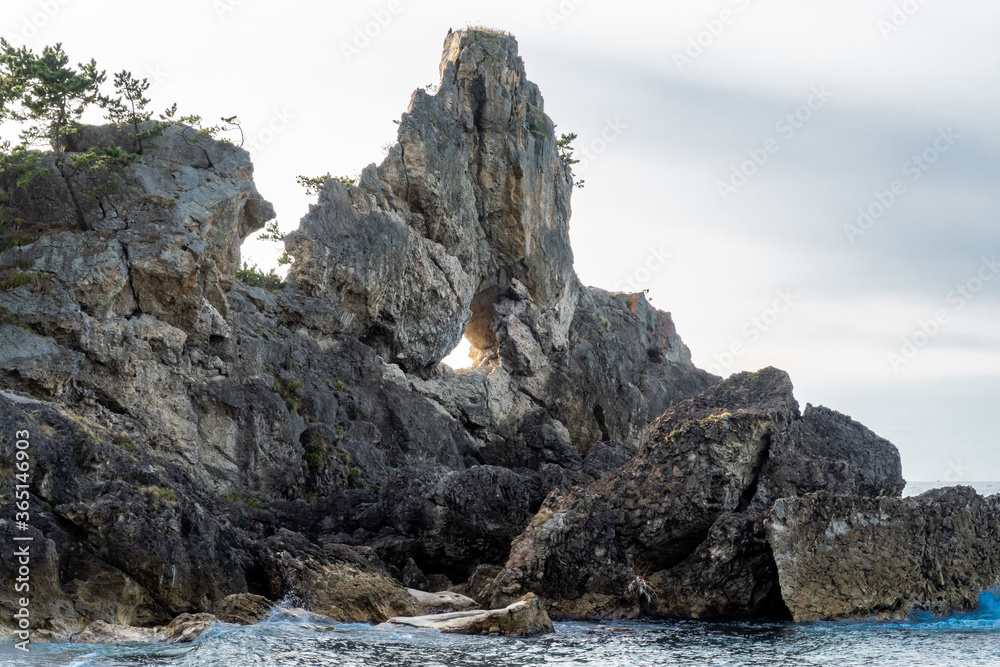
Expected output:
{"points": [[680, 529], [842, 556], [200, 445]]}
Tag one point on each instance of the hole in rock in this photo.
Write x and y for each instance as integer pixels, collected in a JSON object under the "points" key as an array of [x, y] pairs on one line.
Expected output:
{"points": [[461, 356], [479, 334]]}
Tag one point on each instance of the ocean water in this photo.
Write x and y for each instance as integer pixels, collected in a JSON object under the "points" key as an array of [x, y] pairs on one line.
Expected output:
{"points": [[983, 488], [964, 640]]}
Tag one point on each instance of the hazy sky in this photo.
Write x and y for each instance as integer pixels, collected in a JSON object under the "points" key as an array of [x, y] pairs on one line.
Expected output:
{"points": [[812, 185]]}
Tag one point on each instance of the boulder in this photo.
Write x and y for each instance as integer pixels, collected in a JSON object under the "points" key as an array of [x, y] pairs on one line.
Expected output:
{"points": [[187, 628], [348, 584], [568, 556], [441, 602], [702, 458], [244, 609], [99, 632], [182, 630], [851, 557], [524, 618], [828, 451], [679, 529]]}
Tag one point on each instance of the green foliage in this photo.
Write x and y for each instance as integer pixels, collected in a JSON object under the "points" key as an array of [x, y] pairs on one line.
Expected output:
{"points": [[21, 164], [254, 277], [114, 159], [130, 109], [159, 494], [54, 94], [273, 233], [314, 184], [122, 439], [205, 131], [37, 282], [564, 144], [7, 318]]}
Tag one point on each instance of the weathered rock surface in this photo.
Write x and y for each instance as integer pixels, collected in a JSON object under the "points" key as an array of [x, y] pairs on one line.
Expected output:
{"points": [[152, 546], [463, 229], [347, 584], [524, 618], [449, 522], [244, 609], [677, 530], [828, 451], [849, 557], [441, 602], [182, 630], [569, 556]]}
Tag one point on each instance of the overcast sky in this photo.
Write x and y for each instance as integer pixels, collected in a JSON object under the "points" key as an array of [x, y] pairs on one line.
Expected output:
{"points": [[734, 146]]}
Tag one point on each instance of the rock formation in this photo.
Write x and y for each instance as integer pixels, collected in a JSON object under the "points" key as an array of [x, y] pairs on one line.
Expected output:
{"points": [[841, 556], [180, 420], [679, 530], [202, 446], [523, 618]]}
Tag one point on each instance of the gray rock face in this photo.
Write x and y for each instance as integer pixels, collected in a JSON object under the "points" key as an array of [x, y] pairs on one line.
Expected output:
{"points": [[700, 459], [463, 229], [678, 530], [473, 199], [569, 556], [142, 550], [449, 522], [850, 557], [828, 451]]}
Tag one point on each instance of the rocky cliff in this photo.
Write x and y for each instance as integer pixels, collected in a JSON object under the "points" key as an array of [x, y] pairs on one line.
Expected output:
{"points": [[180, 418], [194, 438]]}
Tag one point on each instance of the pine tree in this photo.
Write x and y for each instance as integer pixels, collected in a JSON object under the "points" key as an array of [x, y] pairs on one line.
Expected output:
{"points": [[55, 94], [129, 108]]}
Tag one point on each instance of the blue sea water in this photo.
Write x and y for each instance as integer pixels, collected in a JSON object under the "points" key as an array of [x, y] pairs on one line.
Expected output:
{"points": [[968, 640]]}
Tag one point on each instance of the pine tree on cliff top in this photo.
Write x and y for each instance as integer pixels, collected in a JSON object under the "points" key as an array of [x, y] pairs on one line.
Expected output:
{"points": [[55, 94]]}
